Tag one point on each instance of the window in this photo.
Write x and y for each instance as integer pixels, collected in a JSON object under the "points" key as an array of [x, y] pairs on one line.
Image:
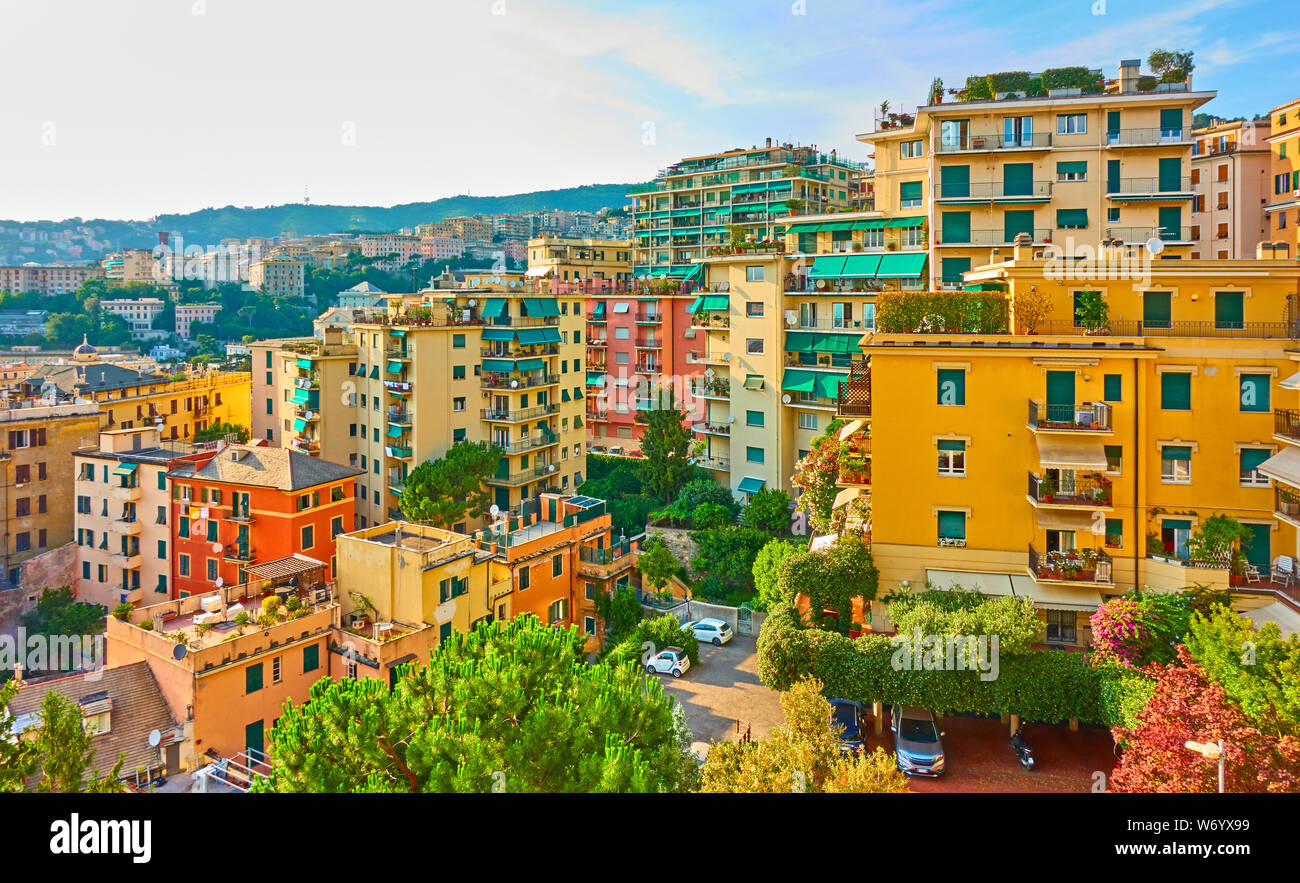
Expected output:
{"points": [[1175, 464], [308, 536], [1229, 310], [1113, 386], [558, 611], [457, 372], [754, 418], [1071, 123], [212, 569], [183, 565], [909, 194], [807, 420], [1176, 391], [754, 309], [621, 333], [952, 386], [952, 457], [524, 577], [458, 341], [253, 678], [952, 528], [1072, 171], [754, 455], [162, 550], [1061, 626], [1114, 459], [1156, 309], [589, 625], [754, 273], [1114, 533], [754, 346], [1250, 460], [1254, 392], [275, 670], [911, 149]]}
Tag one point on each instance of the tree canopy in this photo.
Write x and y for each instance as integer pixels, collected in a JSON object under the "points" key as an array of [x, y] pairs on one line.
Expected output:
{"points": [[666, 444], [444, 491]]}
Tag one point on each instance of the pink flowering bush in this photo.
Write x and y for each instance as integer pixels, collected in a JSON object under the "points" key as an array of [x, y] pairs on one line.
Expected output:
{"points": [[1120, 633]]}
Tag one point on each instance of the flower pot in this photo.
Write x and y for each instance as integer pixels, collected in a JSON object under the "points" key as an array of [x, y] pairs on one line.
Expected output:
{"points": [[1047, 498]]}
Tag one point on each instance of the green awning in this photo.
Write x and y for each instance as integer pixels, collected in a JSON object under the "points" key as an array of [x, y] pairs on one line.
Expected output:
{"points": [[694, 271], [498, 366], [985, 286], [860, 266], [750, 485], [530, 364], [374, 372], [394, 431], [541, 307], [828, 385], [394, 367], [397, 332], [895, 223], [530, 336], [595, 378], [801, 341], [838, 343], [494, 308], [550, 335], [304, 363], [300, 397], [803, 228], [754, 381], [901, 266], [710, 302], [598, 312], [498, 334], [829, 267], [795, 380], [1072, 168], [299, 424], [837, 225], [125, 469], [873, 224]]}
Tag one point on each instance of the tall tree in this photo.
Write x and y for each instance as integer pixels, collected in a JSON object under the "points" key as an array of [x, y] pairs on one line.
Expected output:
{"points": [[65, 753], [1258, 669], [666, 445], [509, 707], [444, 491], [18, 757]]}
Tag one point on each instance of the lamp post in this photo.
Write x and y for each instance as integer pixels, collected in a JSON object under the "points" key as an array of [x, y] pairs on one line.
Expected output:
{"points": [[1210, 751]]}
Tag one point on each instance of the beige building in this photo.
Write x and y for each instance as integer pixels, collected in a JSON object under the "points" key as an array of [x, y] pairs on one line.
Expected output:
{"points": [[1230, 168], [37, 443], [190, 313], [278, 276], [138, 313], [123, 526]]}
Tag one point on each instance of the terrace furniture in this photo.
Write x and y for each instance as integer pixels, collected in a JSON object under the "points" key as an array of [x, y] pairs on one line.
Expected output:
{"points": [[1250, 573], [1284, 570]]}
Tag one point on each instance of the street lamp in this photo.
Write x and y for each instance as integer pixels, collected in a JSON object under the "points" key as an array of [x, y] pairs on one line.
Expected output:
{"points": [[1210, 751]]}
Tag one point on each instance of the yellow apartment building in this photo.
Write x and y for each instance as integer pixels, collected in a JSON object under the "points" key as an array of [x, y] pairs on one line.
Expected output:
{"points": [[279, 276], [1283, 208], [1074, 167], [1230, 176], [1067, 457], [564, 259]]}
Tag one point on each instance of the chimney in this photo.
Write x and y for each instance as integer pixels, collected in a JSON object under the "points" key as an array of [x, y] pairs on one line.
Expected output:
{"points": [[1023, 248], [1129, 71], [164, 238], [769, 142], [18, 672]]}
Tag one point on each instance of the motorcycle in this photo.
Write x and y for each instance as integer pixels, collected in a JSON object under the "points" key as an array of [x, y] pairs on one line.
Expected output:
{"points": [[1022, 749]]}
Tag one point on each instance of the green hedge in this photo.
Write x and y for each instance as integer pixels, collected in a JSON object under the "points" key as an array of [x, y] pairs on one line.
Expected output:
{"points": [[1039, 685]]}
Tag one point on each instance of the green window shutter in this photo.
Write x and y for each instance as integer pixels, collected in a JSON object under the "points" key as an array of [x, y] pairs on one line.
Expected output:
{"points": [[1060, 396], [1018, 179], [1114, 386], [444, 633], [754, 455], [1254, 392], [1114, 457], [1112, 176], [754, 418], [1171, 222], [1156, 309], [1176, 391], [954, 181], [1072, 168], [945, 445], [1112, 125], [952, 386], [1114, 527], [310, 658], [952, 525], [1015, 223], [1171, 174], [1171, 120], [953, 268], [956, 227], [1252, 457], [909, 190], [1071, 217], [212, 531], [1229, 309], [253, 678], [1176, 452]]}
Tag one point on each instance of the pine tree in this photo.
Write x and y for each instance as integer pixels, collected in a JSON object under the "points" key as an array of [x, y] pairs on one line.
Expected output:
{"points": [[666, 444]]}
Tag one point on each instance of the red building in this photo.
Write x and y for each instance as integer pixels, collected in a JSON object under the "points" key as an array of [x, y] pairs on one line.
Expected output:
{"points": [[245, 504]]}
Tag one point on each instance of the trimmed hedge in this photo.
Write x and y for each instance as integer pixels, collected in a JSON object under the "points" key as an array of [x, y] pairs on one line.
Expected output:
{"points": [[1039, 685]]}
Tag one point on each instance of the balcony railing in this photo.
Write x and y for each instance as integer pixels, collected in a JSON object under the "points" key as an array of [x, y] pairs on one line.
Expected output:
{"points": [[708, 358], [506, 381], [1147, 137], [1085, 417], [1039, 140], [709, 461], [1286, 502], [854, 398], [523, 476], [855, 472], [649, 318], [712, 387], [712, 428], [992, 190], [1141, 235], [503, 415], [1083, 491], [540, 440], [1286, 423], [1077, 565], [1175, 328], [1175, 187], [992, 237], [400, 416], [238, 553]]}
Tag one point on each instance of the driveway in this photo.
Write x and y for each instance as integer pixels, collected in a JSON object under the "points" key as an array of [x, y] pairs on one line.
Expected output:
{"points": [[723, 689]]}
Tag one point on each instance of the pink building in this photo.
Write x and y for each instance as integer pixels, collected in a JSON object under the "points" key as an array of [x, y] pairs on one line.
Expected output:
{"points": [[187, 313], [441, 247]]}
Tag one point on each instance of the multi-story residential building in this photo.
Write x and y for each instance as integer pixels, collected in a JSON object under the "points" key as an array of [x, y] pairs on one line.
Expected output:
{"points": [[692, 205], [186, 314], [134, 265], [138, 313], [493, 363], [278, 276], [398, 246], [243, 505], [441, 247], [362, 296], [1068, 459], [1073, 168], [1283, 208], [1230, 168], [124, 519], [20, 323], [36, 476], [566, 259], [128, 398], [54, 279]]}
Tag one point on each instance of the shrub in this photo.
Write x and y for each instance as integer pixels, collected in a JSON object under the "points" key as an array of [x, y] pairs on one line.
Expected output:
{"points": [[768, 510], [767, 570], [705, 490], [122, 612], [710, 516], [908, 312]]}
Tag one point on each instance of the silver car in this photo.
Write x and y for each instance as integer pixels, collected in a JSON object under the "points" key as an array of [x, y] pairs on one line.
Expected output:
{"points": [[918, 750]]}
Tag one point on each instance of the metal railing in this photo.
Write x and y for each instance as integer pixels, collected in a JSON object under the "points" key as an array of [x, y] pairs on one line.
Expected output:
{"points": [[992, 237], [1286, 423], [505, 381], [854, 398], [1087, 566], [1083, 417], [1149, 136], [1082, 491], [999, 141], [1181, 185], [1173, 328], [506, 415], [995, 190]]}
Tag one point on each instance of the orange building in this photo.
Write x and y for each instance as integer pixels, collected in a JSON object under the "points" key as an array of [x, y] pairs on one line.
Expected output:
{"points": [[245, 504]]}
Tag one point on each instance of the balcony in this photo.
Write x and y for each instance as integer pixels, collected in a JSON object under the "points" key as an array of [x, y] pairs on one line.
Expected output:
{"points": [[523, 476], [241, 514], [1088, 566], [305, 445], [507, 381], [1147, 137], [855, 472], [400, 387], [1085, 417], [709, 461], [543, 439], [649, 318], [1092, 491], [649, 343], [1142, 235], [1172, 189], [503, 415], [1286, 424], [236, 552], [126, 526], [991, 238], [712, 388], [993, 142], [396, 352], [707, 321], [995, 191], [398, 416], [854, 400], [707, 428], [708, 358], [397, 452], [1286, 504], [1177, 328], [126, 560], [123, 493]]}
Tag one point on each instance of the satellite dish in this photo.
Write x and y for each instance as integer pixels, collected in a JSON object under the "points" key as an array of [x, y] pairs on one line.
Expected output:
{"points": [[216, 547], [786, 398], [155, 739], [514, 384], [473, 302], [220, 581], [179, 651], [723, 286], [495, 510], [1155, 245], [821, 283]]}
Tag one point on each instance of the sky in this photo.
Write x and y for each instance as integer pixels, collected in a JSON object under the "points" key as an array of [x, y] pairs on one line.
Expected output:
{"points": [[128, 109]]}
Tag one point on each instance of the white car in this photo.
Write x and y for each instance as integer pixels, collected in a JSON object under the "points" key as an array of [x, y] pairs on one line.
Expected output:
{"points": [[711, 631], [671, 661]]}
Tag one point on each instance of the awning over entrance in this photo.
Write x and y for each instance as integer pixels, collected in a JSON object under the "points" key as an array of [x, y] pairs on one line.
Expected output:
{"points": [[1071, 453], [1053, 597], [749, 485], [1284, 466], [1065, 519], [984, 583]]}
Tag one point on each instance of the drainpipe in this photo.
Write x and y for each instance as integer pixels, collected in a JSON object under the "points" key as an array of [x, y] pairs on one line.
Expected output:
{"points": [[1138, 543]]}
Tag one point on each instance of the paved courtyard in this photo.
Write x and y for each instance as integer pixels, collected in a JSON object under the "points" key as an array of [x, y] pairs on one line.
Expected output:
{"points": [[724, 688]]}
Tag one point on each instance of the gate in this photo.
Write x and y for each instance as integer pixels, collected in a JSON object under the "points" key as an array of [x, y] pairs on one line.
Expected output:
{"points": [[744, 620]]}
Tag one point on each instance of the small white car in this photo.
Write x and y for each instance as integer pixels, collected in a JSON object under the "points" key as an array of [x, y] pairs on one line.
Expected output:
{"points": [[671, 661], [711, 631]]}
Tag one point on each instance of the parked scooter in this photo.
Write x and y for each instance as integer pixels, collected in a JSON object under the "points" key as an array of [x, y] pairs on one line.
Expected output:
{"points": [[1022, 749]]}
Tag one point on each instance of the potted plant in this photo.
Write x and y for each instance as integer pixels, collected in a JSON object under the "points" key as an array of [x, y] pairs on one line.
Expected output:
{"points": [[1048, 489], [794, 206]]}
